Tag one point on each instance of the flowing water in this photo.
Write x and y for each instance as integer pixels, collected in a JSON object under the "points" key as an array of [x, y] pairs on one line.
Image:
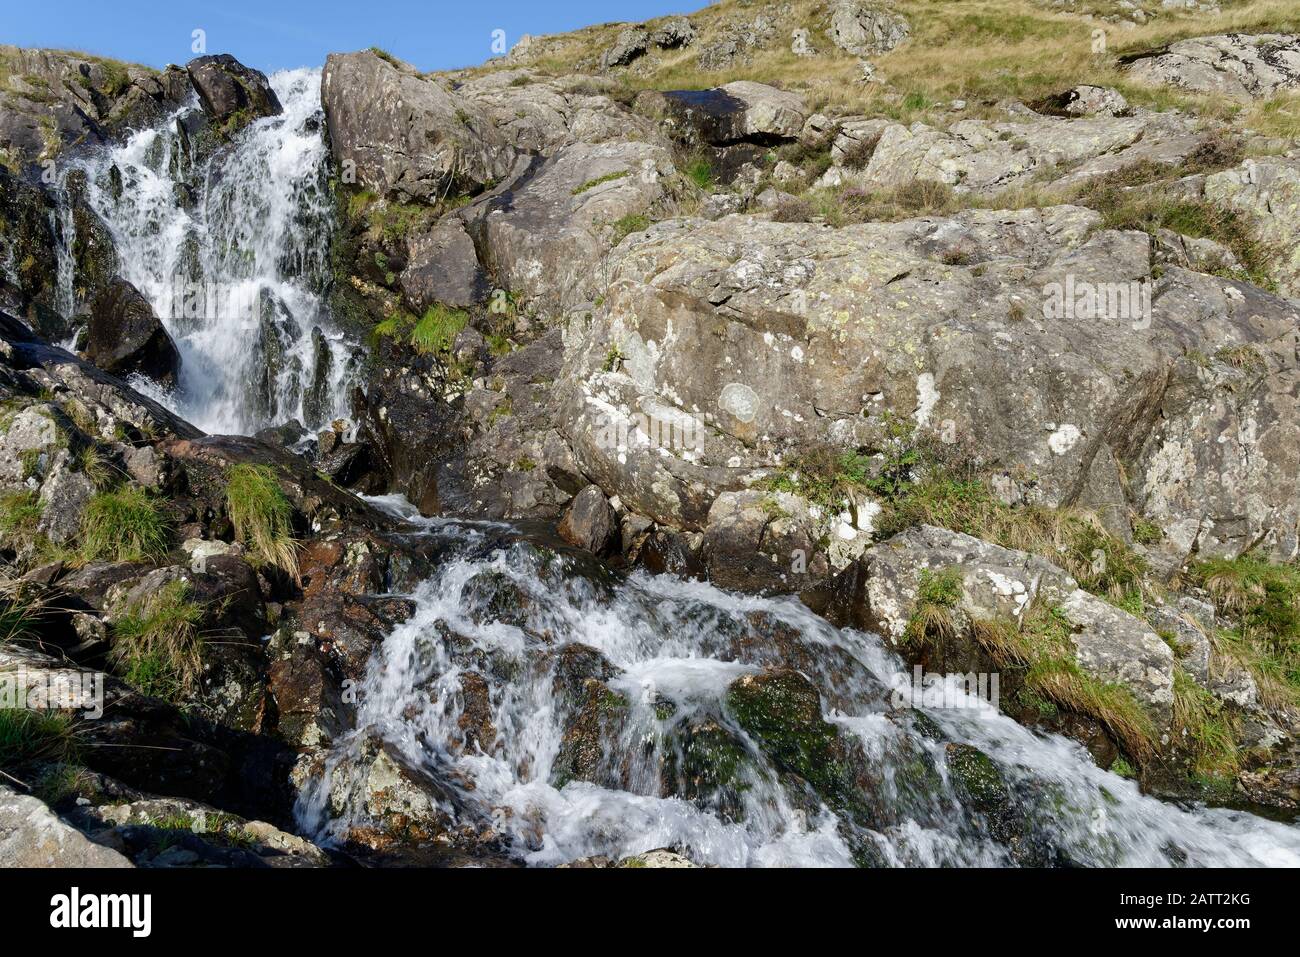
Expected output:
{"points": [[233, 254], [675, 765]]}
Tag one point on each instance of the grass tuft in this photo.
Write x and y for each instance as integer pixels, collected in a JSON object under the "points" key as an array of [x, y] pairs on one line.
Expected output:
{"points": [[125, 525], [156, 645], [262, 516]]}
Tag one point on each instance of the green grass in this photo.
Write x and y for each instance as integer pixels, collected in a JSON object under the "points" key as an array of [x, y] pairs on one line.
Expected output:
{"points": [[1204, 728], [19, 514], [1040, 645], [21, 609], [156, 646], [27, 737], [1262, 601], [125, 525], [437, 329], [592, 183], [262, 516], [625, 226], [700, 172]]}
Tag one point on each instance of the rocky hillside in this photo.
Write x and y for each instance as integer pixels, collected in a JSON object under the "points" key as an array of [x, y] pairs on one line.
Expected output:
{"points": [[973, 326]]}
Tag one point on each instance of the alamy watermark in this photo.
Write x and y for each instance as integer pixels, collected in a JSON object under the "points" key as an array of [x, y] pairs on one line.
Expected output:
{"points": [[1115, 301], [41, 690], [921, 689]]}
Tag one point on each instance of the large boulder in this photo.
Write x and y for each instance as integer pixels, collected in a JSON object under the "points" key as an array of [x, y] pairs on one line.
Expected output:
{"points": [[126, 337], [31, 835], [407, 137], [865, 29], [232, 94], [742, 111], [737, 341], [983, 156], [442, 267], [1238, 65]]}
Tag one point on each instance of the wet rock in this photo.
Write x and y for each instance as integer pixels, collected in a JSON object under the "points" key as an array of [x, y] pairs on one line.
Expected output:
{"points": [[126, 337], [589, 521], [982, 788], [1237, 65], [761, 541], [232, 94], [31, 835]]}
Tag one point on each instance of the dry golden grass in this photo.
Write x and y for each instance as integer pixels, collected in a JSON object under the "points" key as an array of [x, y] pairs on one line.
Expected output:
{"points": [[980, 51]]}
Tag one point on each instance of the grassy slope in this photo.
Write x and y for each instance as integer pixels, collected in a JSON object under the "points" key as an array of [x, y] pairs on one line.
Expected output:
{"points": [[977, 50]]}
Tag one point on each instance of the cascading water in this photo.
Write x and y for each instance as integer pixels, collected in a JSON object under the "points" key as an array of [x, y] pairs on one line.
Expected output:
{"points": [[668, 759], [234, 258]]}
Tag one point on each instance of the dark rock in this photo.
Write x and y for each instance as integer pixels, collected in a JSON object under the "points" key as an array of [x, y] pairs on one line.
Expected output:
{"points": [[232, 94], [589, 521], [126, 337]]}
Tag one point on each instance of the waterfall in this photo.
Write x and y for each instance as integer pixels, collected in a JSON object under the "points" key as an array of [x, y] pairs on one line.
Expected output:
{"points": [[676, 647], [233, 255]]}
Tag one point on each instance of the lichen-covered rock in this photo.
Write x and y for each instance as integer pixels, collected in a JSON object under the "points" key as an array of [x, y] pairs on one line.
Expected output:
{"points": [[865, 29], [762, 542], [1235, 64], [406, 137], [1267, 192], [721, 346], [31, 835]]}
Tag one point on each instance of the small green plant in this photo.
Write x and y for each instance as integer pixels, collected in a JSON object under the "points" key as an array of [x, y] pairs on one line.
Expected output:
{"points": [[700, 172], [936, 595], [125, 525], [156, 645], [1199, 719], [262, 516], [437, 329], [27, 737], [599, 180], [614, 359], [625, 226]]}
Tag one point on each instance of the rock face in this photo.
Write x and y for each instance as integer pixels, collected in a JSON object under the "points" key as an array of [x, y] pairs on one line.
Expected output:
{"points": [[55, 99], [407, 137], [232, 94], [978, 156], [755, 337], [31, 835], [865, 29], [126, 337], [544, 231], [1237, 65]]}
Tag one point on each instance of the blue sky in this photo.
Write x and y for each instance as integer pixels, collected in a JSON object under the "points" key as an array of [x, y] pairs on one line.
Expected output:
{"points": [[432, 34]]}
